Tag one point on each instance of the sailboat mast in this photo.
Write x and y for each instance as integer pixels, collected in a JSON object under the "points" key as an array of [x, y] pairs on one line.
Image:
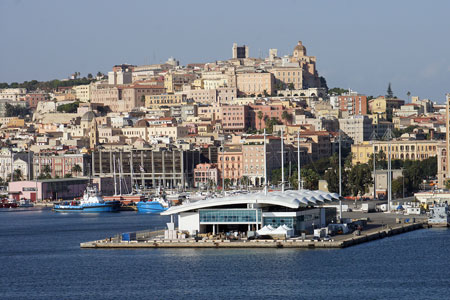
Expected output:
{"points": [[340, 177], [114, 174], [265, 164], [282, 162], [299, 178]]}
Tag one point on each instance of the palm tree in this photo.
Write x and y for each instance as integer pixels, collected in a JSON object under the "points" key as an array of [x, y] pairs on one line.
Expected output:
{"points": [[76, 169], [260, 117], [46, 169], [286, 116], [408, 94]]}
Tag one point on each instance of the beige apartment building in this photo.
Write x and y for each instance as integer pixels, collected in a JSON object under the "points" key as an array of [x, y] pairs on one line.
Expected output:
{"points": [[123, 98], [222, 95], [288, 76], [413, 150], [253, 155], [255, 83], [83, 92], [173, 82], [157, 101]]}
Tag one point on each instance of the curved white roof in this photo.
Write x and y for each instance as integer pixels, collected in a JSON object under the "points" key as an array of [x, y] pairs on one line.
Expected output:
{"points": [[291, 199]]}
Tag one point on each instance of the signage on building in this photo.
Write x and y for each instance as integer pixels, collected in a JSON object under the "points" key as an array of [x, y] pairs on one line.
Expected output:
{"points": [[28, 189]]}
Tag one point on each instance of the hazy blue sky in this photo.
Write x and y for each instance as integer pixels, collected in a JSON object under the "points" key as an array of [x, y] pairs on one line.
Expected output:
{"points": [[359, 44]]}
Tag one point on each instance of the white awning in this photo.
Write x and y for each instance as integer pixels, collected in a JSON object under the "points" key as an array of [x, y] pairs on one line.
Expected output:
{"points": [[291, 199]]}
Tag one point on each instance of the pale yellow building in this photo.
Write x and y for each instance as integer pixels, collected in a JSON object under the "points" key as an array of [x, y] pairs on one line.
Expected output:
{"points": [[83, 92], [156, 101], [255, 83], [384, 106], [288, 76], [413, 150]]}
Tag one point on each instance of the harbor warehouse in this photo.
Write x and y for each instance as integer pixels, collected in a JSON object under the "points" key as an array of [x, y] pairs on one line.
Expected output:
{"points": [[299, 210]]}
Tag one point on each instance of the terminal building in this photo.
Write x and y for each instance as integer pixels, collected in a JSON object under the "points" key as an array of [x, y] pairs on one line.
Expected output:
{"points": [[299, 210]]}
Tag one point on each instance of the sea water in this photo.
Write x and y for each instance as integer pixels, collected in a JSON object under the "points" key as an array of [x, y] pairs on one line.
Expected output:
{"points": [[40, 258]]}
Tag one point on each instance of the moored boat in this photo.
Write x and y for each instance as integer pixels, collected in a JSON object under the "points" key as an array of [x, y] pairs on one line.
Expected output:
{"points": [[156, 205], [439, 216], [92, 201]]}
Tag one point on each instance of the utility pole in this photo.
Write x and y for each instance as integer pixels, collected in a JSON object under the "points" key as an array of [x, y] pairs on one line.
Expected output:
{"points": [[388, 137], [373, 138]]}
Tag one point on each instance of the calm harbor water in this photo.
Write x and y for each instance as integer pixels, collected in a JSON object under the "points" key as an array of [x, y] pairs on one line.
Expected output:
{"points": [[40, 258]]}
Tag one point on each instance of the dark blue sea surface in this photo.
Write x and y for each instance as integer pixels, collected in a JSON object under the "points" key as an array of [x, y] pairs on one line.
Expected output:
{"points": [[40, 258]]}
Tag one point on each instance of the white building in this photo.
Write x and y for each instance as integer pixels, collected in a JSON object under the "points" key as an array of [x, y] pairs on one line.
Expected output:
{"points": [[83, 92], [358, 127], [120, 77], [249, 212], [13, 94]]}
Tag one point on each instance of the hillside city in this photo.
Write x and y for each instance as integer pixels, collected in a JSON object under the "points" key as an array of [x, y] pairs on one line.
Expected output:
{"points": [[203, 125]]}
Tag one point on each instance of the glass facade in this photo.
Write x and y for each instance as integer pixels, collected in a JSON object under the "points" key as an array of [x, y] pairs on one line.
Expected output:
{"points": [[279, 221], [229, 215]]}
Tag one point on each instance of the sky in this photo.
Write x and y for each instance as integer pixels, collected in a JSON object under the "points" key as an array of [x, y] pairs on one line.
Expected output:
{"points": [[362, 45]]}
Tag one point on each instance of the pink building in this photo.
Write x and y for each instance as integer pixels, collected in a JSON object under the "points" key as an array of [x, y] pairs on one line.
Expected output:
{"points": [[235, 118], [268, 112], [230, 163], [205, 174], [48, 189]]}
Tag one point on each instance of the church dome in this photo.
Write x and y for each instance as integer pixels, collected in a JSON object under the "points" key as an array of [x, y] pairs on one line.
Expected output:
{"points": [[141, 123], [299, 49], [88, 116]]}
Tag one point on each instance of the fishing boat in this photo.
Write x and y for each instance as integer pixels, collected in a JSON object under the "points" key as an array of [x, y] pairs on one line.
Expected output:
{"points": [[156, 205], [92, 201], [25, 203], [439, 216]]}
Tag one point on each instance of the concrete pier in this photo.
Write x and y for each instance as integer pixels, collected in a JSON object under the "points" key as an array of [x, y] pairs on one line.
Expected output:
{"points": [[341, 241]]}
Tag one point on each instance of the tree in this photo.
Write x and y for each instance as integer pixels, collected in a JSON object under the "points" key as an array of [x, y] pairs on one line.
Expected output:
{"points": [[16, 110], [323, 82], [69, 107], [337, 91], [389, 92], [397, 187], [270, 123], [291, 86], [99, 74], [310, 178], [17, 175], [447, 184], [76, 169], [287, 117], [260, 117], [408, 94], [359, 178], [68, 175], [265, 93], [227, 182]]}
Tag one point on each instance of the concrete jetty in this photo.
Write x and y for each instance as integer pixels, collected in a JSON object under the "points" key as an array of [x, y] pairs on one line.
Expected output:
{"points": [[341, 241]]}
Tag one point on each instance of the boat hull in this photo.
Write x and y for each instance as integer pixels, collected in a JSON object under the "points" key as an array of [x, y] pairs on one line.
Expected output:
{"points": [[152, 207], [113, 206]]}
